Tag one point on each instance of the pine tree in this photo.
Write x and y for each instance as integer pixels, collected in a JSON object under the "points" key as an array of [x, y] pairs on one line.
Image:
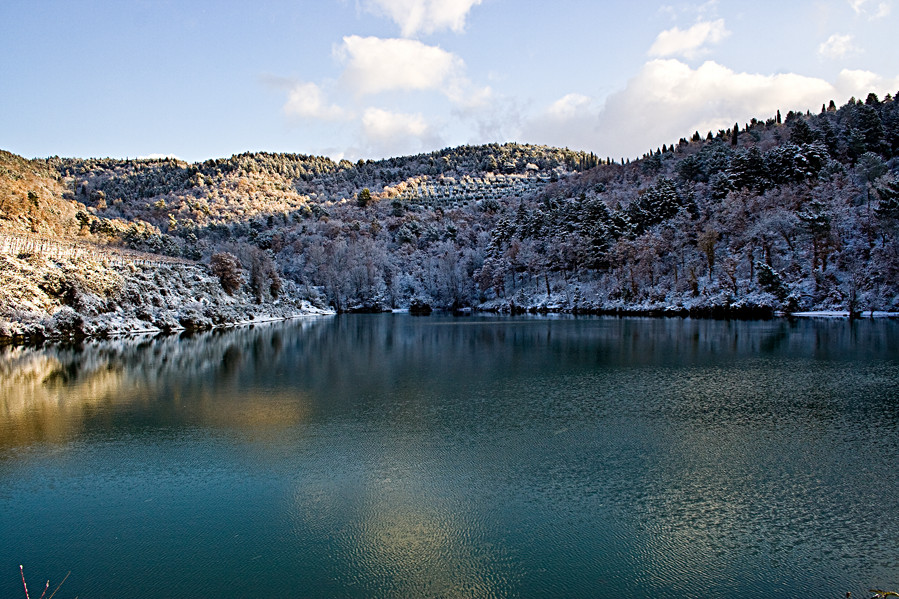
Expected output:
{"points": [[801, 133], [888, 207]]}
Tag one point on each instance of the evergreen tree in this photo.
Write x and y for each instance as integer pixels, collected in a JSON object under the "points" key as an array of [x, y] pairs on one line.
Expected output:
{"points": [[887, 209], [801, 133], [655, 205], [816, 219], [866, 121]]}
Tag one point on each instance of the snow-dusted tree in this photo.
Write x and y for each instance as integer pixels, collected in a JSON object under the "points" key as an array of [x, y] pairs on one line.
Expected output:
{"points": [[264, 278]]}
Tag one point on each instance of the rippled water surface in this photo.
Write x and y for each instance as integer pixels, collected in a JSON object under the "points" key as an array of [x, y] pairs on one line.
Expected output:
{"points": [[393, 456]]}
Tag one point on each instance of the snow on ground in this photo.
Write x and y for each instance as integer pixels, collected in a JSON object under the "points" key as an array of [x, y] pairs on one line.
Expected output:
{"points": [[56, 298], [841, 314]]}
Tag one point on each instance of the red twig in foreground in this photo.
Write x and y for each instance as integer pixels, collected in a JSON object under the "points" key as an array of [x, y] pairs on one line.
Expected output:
{"points": [[22, 571], [59, 585]]}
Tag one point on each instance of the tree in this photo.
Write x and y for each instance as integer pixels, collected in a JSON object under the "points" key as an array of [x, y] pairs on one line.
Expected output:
{"points": [[772, 281], [263, 276], [870, 133], [817, 222], [654, 205], [364, 198], [747, 169], [227, 268], [801, 132], [706, 242], [869, 169], [887, 210]]}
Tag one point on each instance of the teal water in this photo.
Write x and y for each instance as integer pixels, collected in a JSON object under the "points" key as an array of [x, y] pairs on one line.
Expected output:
{"points": [[394, 456]]}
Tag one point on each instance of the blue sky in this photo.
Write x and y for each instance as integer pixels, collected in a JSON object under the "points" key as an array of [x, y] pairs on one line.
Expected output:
{"points": [[378, 78]]}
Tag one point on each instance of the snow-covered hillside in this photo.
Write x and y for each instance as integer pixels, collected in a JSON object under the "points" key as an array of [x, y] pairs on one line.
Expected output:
{"points": [[44, 297]]}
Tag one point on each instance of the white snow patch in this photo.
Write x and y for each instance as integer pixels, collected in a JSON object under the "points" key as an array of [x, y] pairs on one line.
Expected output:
{"points": [[843, 314]]}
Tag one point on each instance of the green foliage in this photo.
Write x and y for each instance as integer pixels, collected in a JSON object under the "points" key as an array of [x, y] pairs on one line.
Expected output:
{"points": [[364, 198]]}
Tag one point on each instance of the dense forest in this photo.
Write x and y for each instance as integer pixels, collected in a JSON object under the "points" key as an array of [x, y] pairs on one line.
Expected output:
{"points": [[787, 213]]}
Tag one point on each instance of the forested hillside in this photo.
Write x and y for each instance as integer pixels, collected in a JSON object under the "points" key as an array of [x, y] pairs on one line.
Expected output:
{"points": [[792, 212]]}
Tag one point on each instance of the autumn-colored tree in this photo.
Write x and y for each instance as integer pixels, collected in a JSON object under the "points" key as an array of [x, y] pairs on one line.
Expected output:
{"points": [[227, 268]]}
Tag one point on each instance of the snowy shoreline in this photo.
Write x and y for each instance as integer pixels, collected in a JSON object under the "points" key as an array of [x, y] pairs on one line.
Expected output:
{"points": [[867, 314], [57, 299]]}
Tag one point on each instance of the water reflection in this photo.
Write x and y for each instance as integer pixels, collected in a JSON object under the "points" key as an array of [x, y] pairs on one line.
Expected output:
{"points": [[393, 456], [54, 393]]}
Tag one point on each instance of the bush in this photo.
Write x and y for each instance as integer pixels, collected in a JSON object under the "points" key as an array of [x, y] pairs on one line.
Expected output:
{"points": [[227, 268], [66, 322]]}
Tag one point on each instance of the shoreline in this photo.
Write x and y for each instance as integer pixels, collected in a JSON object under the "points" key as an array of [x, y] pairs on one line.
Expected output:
{"points": [[153, 332], [37, 340], [103, 331]]}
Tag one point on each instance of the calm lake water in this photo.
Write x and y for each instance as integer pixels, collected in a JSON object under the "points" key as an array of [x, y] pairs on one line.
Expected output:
{"points": [[394, 456]]}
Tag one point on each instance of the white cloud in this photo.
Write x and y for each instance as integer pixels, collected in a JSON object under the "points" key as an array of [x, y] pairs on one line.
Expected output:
{"points": [[383, 124], [668, 100], [376, 65], [424, 16], [307, 100], [858, 83], [392, 133], [872, 10], [467, 96], [691, 42], [568, 106], [837, 46]]}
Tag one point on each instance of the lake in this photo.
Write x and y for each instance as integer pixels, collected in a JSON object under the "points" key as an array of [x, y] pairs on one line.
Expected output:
{"points": [[395, 456]]}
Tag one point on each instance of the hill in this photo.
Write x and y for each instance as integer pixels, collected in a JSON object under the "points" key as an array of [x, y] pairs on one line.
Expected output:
{"points": [[790, 213]]}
